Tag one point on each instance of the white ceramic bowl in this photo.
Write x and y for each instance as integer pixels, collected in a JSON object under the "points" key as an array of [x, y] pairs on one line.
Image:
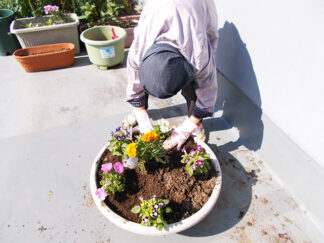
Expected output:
{"points": [[171, 228]]}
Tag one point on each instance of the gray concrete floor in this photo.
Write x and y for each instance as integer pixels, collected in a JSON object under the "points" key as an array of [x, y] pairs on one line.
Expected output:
{"points": [[52, 125]]}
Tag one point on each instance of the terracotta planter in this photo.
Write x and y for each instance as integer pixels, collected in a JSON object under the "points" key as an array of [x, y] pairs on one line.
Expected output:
{"points": [[171, 228], [45, 57], [130, 31]]}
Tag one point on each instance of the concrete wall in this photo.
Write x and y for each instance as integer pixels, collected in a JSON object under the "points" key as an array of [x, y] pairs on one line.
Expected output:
{"points": [[273, 51]]}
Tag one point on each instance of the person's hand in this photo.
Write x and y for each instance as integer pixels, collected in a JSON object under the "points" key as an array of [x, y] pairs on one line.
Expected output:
{"points": [[143, 120], [180, 135]]}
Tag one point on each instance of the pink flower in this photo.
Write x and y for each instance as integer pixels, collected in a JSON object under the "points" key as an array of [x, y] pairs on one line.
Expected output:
{"points": [[101, 193], [119, 167], [106, 167], [54, 8], [199, 148], [183, 150], [49, 8], [193, 167], [187, 160], [192, 152], [199, 163], [107, 183]]}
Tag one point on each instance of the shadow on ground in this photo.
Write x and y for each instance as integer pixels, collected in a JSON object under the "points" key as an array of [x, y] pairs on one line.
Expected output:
{"points": [[82, 59]]}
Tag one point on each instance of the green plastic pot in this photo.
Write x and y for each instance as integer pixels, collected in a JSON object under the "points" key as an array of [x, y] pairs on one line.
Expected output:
{"points": [[103, 50], [8, 42]]}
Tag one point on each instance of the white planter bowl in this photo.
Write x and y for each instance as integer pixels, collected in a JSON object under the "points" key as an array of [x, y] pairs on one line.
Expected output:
{"points": [[152, 231]]}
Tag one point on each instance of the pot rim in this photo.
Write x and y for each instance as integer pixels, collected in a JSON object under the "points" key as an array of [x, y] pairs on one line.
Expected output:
{"points": [[104, 42], [15, 30], [9, 16], [171, 228]]}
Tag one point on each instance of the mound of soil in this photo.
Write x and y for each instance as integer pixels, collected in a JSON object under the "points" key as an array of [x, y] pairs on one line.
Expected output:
{"points": [[171, 181]]}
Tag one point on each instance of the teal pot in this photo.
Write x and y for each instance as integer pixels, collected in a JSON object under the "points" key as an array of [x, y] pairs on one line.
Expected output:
{"points": [[8, 42], [105, 45]]}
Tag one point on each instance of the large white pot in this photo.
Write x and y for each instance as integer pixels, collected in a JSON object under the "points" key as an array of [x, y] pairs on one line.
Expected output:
{"points": [[171, 228], [49, 34]]}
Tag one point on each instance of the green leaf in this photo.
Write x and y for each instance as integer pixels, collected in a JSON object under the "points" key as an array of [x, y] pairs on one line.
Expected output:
{"points": [[159, 227], [136, 209], [168, 210], [166, 201], [190, 171]]}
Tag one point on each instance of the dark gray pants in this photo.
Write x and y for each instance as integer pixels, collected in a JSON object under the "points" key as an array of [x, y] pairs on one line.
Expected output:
{"points": [[188, 93]]}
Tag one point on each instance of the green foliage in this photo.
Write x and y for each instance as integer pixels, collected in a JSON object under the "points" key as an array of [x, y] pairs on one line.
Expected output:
{"points": [[118, 143], [113, 182], [150, 150], [35, 8], [152, 211], [197, 162], [102, 11], [162, 135]]}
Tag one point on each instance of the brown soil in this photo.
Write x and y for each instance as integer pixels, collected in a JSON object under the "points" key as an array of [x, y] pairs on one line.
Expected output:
{"points": [[45, 52], [186, 194]]}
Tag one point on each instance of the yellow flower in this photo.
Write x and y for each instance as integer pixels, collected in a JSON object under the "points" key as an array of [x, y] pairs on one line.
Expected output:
{"points": [[150, 136], [131, 150]]}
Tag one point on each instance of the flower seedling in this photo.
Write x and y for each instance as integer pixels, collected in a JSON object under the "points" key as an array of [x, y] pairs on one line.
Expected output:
{"points": [[163, 129], [56, 13], [196, 161], [150, 147], [151, 211], [119, 142], [113, 180]]}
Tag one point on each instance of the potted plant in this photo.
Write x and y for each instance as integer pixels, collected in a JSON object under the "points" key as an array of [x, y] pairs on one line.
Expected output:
{"points": [[8, 43], [45, 57], [54, 27], [105, 45], [121, 13], [167, 192]]}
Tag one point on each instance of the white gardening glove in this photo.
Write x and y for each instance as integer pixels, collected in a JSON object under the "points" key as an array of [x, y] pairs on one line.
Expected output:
{"points": [[180, 135], [143, 120]]}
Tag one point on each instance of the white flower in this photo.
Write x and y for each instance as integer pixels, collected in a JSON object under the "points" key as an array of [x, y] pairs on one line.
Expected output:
{"points": [[164, 125]]}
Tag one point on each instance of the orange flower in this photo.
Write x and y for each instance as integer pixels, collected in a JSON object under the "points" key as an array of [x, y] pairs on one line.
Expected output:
{"points": [[150, 136], [131, 150]]}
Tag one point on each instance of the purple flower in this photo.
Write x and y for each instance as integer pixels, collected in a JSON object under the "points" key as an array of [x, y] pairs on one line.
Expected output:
{"points": [[199, 148], [118, 138], [162, 204], [192, 152], [117, 129], [155, 206], [112, 133], [183, 150], [119, 167], [140, 198], [145, 219], [187, 160], [200, 163], [106, 167], [154, 214], [193, 167], [123, 137], [101, 193]]}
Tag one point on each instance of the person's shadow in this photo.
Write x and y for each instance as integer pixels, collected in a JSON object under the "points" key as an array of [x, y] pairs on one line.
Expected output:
{"points": [[239, 109]]}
